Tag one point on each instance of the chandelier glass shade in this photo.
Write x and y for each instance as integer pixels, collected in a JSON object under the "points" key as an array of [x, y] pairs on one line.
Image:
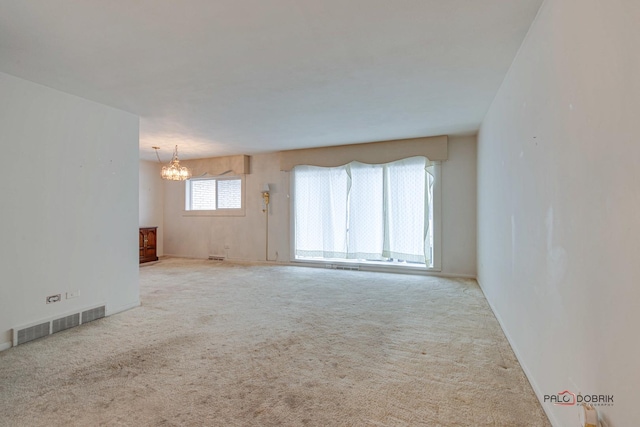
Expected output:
{"points": [[173, 171]]}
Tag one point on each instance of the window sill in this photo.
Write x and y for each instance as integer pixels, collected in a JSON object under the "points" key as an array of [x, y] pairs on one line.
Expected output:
{"points": [[219, 212]]}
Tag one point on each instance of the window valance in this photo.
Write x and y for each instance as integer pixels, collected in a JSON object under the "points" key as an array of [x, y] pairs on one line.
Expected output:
{"points": [[433, 148], [215, 166]]}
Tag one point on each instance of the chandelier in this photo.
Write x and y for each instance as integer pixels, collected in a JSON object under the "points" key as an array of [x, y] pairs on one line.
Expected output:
{"points": [[173, 171]]}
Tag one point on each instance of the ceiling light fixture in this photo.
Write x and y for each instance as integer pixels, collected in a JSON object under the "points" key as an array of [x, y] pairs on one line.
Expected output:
{"points": [[173, 171]]}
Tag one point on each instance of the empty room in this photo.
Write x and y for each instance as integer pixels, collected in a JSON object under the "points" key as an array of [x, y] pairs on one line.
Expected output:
{"points": [[319, 213]]}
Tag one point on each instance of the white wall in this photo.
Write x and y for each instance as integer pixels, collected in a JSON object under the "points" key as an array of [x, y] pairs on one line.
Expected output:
{"points": [[459, 189], [151, 200], [199, 237], [69, 204], [559, 203]]}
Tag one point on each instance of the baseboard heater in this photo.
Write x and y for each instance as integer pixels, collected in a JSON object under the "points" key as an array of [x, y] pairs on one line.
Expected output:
{"points": [[41, 329]]}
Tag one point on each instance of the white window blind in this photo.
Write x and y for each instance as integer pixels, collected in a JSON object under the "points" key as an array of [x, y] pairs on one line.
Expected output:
{"points": [[208, 194], [229, 192], [202, 194]]}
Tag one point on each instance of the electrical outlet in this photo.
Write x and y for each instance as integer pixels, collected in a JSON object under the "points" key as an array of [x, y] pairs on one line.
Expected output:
{"points": [[54, 298], [73, 294]]}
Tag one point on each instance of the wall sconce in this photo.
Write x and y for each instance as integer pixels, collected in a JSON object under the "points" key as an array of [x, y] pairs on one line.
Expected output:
{"points": [[265, 209], [265, 197]]}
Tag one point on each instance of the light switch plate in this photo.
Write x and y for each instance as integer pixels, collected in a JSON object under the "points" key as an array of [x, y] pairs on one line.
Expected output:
{"points": [[73, 294]]}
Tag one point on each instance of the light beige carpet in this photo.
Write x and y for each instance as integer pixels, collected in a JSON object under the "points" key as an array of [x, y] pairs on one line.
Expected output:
{"points": [[218, 344]]}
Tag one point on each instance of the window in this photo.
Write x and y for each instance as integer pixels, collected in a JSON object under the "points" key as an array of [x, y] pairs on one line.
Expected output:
{"points": [[213, 194], [366, 213]]}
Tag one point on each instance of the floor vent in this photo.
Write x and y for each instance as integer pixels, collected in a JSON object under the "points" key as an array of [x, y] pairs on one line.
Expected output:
{"points": [[347, 267], [33, 332], [93, 314], [216, 258], [65, 323], [24, 334]]}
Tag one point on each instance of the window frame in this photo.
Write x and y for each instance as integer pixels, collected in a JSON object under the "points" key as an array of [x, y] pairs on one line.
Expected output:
{"points": [[217, 212], [379, 265]]}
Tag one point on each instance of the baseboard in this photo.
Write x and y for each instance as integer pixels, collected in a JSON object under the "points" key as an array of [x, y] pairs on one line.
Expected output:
{"points": [[148, 263], [362, 267], [377, 268], [178, 256], [5, 345], [455, 275], [123, 308], [527, 372]]}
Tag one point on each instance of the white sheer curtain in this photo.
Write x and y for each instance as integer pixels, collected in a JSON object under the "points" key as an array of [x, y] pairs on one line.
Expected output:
{"points": [[361, 211], [321, 197], [366, 211], [407, 206]]}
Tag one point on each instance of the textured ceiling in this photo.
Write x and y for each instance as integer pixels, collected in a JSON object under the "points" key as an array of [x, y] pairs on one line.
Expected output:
{"points": [[247, 76]]}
